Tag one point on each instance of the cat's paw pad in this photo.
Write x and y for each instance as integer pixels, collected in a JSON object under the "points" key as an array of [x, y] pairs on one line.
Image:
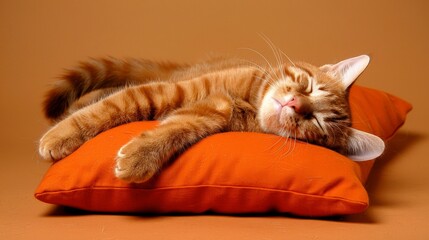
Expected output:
{"points": [[58, 143], [137, 162]]}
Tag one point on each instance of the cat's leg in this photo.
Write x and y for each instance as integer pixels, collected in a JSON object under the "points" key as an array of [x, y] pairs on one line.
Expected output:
{"points": [[144, 156], [90, 98], [131, 104]]}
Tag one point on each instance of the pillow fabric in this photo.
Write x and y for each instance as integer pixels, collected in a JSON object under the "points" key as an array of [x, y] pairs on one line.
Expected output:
{"points": [[230, 173]]}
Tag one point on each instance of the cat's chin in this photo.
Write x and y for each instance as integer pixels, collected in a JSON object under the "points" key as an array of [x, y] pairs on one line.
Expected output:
{"points": [[280, 121], [273, 125], [286, 116]]}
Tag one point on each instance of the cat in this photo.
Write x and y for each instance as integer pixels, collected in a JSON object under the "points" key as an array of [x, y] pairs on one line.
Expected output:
{"points": [[295, 100]]}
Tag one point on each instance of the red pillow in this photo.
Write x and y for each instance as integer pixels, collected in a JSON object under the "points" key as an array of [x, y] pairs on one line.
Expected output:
{"points": [[229, 172]]}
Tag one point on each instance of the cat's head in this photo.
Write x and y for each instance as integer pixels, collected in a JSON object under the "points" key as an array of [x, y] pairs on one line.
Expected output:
{"points": [[310, 103]]}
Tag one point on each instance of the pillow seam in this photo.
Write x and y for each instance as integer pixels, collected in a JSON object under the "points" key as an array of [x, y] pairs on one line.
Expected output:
{"points": [[201, 186]]}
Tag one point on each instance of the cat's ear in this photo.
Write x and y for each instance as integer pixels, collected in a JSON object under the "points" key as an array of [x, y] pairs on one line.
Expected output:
{"points": [[364, 146], [347, 70]]}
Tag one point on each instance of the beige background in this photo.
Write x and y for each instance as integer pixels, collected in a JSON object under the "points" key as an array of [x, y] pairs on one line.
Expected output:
{"points": [[39, 38]]}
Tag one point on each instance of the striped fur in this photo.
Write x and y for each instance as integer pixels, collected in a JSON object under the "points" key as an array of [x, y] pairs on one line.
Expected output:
{"points": [[295, 100], [105, 73]]}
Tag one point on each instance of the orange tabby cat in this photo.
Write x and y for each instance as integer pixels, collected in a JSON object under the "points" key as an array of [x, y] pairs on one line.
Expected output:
{"points": [[295, 100]]}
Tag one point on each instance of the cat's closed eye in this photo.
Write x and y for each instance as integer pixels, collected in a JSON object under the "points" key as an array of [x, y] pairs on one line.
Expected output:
{"points": [[310, 85], [306, 84]]}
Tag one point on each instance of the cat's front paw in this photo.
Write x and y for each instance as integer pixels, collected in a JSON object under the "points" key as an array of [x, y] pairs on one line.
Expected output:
{"points": [[59, 142], [139, 160]]}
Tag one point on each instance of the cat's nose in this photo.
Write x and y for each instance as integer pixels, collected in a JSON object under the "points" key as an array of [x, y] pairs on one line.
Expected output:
{"points": [[299, 104], [293, 103]]}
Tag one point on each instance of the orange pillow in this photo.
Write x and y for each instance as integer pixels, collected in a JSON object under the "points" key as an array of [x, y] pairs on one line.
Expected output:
{"points": [[231, 173]]}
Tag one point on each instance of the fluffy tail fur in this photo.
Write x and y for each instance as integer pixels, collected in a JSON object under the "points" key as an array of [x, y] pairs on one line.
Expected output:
{"points": [[102, 74]]}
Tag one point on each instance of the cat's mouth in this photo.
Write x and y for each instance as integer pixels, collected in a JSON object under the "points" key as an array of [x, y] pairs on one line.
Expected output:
{"points": [[284, 109], [284, 117]]}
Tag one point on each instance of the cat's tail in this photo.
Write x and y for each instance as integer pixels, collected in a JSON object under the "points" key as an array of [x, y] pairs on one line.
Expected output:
{"points": [[102, 74]]}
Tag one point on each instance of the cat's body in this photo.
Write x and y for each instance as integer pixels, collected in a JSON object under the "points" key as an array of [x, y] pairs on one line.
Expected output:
{"points": [[295, 100]]}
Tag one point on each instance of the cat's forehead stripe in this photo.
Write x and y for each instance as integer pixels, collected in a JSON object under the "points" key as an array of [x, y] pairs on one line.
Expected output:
{"points": [[295, 71], [306, 70], [297, 74]]}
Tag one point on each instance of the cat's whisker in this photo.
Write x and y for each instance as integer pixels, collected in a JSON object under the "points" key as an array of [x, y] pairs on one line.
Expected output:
{"points": [[262, 69], [261, 55], [254, 64], [284, 141], [271, 67], [285, 137], [280, 60], [291, 147], [274, 49], [277, 53], [275, 148], [287, 57], [269, 80], [279, 139], [335, 133]]}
